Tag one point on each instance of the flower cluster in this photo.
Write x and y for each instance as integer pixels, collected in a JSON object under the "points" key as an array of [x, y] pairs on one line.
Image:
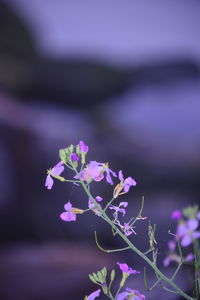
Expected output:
{"points": [[186, 234], [100, 279], [74, 158]]}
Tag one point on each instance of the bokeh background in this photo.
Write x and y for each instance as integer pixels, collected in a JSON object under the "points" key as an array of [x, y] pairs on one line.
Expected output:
{"points": [[124, 77]]}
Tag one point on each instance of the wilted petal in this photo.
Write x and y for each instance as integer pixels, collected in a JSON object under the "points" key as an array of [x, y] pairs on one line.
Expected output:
{"points": [[120, 175]]}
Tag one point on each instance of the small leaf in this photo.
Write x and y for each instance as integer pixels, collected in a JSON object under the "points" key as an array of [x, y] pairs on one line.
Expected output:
{"points": [[92, 278], [62, 155], [71, 148]]}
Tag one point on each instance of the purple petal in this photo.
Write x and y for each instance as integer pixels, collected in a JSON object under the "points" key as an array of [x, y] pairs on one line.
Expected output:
{"points": [[68, 216], [74, 157], [192, 224], [166, 261], [49, 182], [94, 169], [58, 169], [124, 204], [98, 199], [122, 296], [68, 206], [108, 178], [189, 257], [128, 182], [122, 210], [94, 295], [112, 172], [196, 235], [83, 147], [186, 241], [176, 215], [172, 245], [181, 230], [120, 175], [123, 267], [99, 178], [114, 207]]}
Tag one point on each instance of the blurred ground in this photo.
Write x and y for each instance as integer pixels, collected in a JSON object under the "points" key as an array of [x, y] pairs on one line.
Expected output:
{"points": [[124, 80]]}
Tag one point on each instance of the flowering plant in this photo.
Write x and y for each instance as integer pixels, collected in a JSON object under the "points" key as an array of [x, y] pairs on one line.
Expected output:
{"points": [[187, 234]]}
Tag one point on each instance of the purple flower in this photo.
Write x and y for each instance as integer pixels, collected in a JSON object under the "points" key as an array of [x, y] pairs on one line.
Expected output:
{"points": [[74, 157], [83, 147], [186, 232], [118, 209], [131, 295], [172, 245], [124, 185], [176, 215], [108, 172], [189, 257], [93, 206], [56, 170], [170, 258], [68, 215], [126, 269], [128, 229], [95, 171], [93, 295]]}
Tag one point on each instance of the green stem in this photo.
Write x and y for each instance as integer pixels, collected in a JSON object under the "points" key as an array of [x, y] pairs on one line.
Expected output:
{"points": [[109, 203]]}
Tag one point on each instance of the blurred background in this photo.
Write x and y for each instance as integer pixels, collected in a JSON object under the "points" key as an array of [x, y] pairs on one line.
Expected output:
{"points": [[122, 76]]}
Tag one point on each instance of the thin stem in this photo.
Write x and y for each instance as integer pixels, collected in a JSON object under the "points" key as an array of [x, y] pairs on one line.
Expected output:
{"points": [[109, 203], [108, 251], [176, 271], [145, 282]]}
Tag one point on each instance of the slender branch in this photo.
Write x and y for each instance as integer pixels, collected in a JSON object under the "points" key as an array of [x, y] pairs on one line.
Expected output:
{"points": [[176, 271], [140, 212], [108, 251], [109, 203], [145, 282]]}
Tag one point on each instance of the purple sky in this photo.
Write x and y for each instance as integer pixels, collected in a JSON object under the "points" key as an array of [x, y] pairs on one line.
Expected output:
{"points": [[118, 31]]}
